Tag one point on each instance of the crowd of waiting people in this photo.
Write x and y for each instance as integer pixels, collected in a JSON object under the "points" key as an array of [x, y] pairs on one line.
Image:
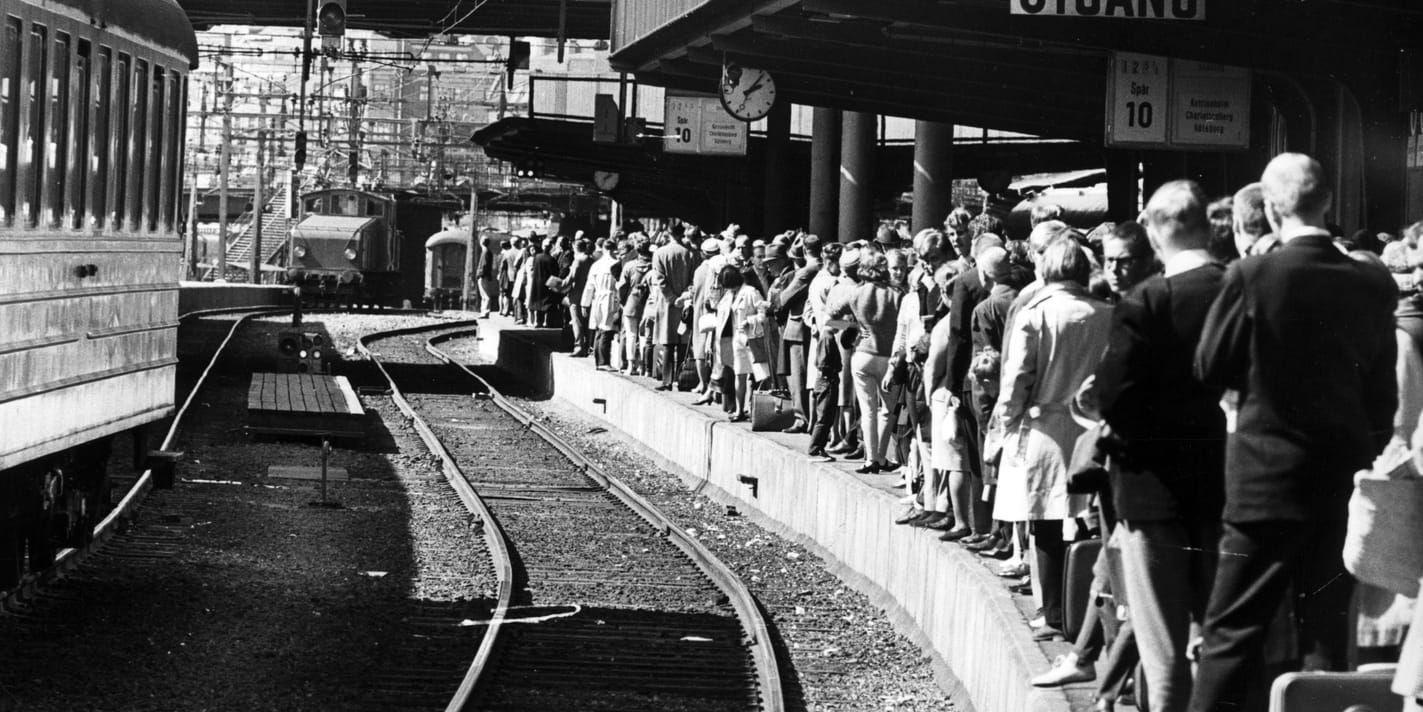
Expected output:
{"points": [[1196, 389]]}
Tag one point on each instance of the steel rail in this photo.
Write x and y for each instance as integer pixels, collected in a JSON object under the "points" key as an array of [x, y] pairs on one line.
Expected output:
{"points": [[494, 537], [768, 673], [70, 558]]}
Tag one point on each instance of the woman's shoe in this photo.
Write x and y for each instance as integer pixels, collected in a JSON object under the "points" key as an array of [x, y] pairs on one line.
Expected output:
{"points": [[868, 469], [888, 466], [983, 544], [857, 454], [704, 400], [1066, 670], [739, 418], [954, 534]]}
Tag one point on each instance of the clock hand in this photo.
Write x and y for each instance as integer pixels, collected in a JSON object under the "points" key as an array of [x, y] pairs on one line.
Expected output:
{"points": [[752, 88]]}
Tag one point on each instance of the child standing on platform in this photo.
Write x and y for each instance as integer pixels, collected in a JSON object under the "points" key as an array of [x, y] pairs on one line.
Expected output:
{"points": [[826, 393]]}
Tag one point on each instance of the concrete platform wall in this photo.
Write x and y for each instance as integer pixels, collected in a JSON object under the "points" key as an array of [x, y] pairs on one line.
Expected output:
{"points": [[200, 296], [959, 606]]}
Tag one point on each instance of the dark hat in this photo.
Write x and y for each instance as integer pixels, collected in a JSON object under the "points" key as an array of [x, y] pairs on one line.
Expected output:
{"points": [[775, 254]]}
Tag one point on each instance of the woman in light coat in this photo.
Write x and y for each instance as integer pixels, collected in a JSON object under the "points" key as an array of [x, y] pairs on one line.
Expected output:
{"points": [[1054, 344], [600, 299], [741, 319]]}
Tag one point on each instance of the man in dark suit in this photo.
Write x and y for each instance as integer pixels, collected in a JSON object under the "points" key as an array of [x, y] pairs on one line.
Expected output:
{"points": [[1170, 431], [1304, 334], [968, 290]]}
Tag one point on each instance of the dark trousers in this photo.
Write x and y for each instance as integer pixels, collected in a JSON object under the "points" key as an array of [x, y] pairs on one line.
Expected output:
{"points": [[603, 348], [671, 363], [827, 403], [1258, 563], [1052, 561]]}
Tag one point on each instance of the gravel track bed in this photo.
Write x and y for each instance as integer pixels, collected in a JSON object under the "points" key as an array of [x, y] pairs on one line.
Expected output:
{"points": [[647, 629], [230, 593], [839, 651]]}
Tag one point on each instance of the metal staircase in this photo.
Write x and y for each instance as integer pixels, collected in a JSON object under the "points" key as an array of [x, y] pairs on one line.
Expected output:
{"points": [[276, 222]]}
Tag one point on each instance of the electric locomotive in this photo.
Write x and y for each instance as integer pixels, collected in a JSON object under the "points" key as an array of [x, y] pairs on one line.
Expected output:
{"points": [[355, 246], [93, 103]]}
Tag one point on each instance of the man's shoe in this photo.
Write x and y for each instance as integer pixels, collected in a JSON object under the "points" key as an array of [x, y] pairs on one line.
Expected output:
{"points": [[1048, 632], [839, 448], [858, 454], [975, 539], [1066, 670], [798, 427], [983, 544], [870, 469], [955, 534], [930, 522], [663, 387], [1001, 553]]}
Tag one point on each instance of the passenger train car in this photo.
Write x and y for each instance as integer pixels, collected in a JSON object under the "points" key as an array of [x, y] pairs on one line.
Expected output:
{"points": [[93, 103], [353, 246]]}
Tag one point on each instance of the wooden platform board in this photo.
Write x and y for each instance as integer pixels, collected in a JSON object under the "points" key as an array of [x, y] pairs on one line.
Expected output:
{"points": [[304, 404]]}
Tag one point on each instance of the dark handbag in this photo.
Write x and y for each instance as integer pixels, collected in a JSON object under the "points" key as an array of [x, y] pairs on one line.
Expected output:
{"points": [[687, 376], [771, 410]]}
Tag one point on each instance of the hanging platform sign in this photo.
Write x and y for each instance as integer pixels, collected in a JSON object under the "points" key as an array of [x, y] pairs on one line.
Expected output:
{"points": [[698, 124], [1164, 103], [1126, 9]]}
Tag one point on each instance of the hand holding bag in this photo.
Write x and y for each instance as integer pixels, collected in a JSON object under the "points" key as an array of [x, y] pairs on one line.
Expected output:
{"points": [[1383, 545]]}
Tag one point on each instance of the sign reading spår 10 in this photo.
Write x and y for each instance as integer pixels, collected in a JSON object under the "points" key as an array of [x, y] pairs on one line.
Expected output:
{"points": [[1136, 9], [1160, 102]]}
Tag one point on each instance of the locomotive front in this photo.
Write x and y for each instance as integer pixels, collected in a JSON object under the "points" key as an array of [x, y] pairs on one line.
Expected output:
{"points": [[333, 257]]}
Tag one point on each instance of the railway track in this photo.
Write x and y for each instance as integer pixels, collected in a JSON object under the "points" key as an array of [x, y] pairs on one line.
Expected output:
{"points": [[603, 602]]}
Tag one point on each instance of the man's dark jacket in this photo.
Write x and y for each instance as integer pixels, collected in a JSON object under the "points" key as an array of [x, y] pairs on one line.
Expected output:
{"points": [[1305, 334], [1169, 425]]}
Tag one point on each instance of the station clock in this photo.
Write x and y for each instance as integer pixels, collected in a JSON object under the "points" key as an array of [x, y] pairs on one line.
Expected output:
{"points": [[747, 94]]}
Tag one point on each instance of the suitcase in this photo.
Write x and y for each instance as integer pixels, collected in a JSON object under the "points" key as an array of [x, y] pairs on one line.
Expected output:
{"points": [[1077, 584], [1334, 692], [771, 411]]}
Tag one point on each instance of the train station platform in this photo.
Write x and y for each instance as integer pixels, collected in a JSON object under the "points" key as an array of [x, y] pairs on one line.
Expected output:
{"points": [[950, 601]]}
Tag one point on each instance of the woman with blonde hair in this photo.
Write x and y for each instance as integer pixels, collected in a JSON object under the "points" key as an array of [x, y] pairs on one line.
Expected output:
{"points": [[1053, 345], [874, 305]]}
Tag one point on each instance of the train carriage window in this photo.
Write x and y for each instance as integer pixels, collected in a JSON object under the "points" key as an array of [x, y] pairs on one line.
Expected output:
{"points": [[138, 145], [57, 129], [79, 137], [154, 175], [173, 176], [99, 141], [118, 161], [32, 157], [10, 59]]}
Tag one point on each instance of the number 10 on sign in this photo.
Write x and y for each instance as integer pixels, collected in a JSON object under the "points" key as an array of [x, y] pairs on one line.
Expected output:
{"points": [[1137, 99]]}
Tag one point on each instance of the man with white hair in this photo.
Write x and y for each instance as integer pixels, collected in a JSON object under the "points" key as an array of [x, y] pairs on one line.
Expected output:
{"points": [[1305, 334]]}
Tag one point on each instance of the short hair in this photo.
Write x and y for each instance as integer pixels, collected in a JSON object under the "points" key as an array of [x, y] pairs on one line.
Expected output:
{"points": [[1045, 232], [643, 247], [1066, 261], [1247, 207], [947, 271], [1043, 212], [983, 224], [897, 254], [959, 218], [994, 262], [830, 252], [1222, 219], [583, 246], [930, 240], [730, 277], [873, 267], [1133, 235], [1178, 212], [812, 245], [1295, 184], [984, 241]]}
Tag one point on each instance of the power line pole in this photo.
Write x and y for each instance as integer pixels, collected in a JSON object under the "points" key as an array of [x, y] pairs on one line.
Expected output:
{"points": [[224, 165]]}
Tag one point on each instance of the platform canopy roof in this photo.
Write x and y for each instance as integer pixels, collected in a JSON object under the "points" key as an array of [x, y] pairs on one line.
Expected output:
{"points": [[976, 62], [579, 19]]}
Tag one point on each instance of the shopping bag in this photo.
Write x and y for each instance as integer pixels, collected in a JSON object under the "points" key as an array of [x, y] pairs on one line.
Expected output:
{"points": [[1382, 545]]}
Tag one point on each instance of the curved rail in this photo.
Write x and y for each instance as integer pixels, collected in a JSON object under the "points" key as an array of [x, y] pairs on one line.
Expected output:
{"points": [[69, 558], [494, 536], [767, 669]]}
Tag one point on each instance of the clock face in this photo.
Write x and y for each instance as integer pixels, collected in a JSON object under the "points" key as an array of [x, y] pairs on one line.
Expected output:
{"points": [[606, 181], [748, 94]]}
